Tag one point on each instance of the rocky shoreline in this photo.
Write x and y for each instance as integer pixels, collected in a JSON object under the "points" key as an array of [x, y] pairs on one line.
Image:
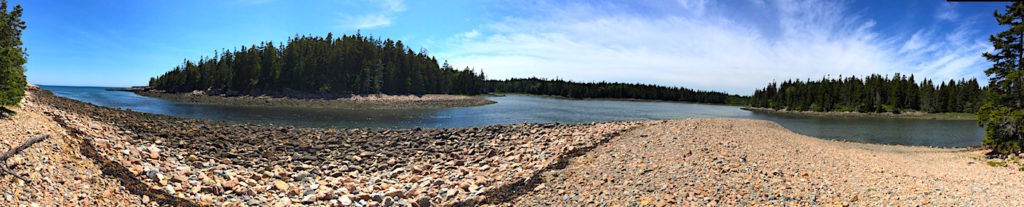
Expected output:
{"points": [[906, 115], [355, 102], [108, 157], [732, 162], [217, 163]]}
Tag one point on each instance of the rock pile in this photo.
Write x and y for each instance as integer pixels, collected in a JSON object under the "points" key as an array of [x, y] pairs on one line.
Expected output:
{"points": [[230, 164]]}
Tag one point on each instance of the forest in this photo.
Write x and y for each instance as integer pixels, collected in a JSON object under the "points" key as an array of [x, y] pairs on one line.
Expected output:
{"points": [[602, 89], [874, 93], [356, 64], [350, 64]]}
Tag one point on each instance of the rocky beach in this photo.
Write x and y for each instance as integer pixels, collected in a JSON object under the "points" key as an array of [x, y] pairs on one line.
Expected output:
{"points": [[109, 157]]}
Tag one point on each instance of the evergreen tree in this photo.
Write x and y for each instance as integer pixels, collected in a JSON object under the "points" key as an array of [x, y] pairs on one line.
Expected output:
{"points": [[12, 56], [310, 66], [874, 93], [1002, 113]]}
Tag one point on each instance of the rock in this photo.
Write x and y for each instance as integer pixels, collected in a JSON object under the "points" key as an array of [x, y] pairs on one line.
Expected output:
{"points": [[423, 201], [284, 202], [136, 169], [229, 184], [170, 189], [154, 152], [345, 200], [388, 201], [153, 174], [281, 185], [394, 193]]}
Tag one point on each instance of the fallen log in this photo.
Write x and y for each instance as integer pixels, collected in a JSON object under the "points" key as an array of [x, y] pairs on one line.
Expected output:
{"points": [[16, 150]]}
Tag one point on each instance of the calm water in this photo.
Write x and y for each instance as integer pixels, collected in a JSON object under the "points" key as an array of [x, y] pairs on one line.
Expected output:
{"points": [[535, 109]]}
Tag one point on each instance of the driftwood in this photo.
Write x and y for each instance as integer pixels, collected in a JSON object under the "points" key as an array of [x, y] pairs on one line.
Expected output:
{"points": [[16, 150]]}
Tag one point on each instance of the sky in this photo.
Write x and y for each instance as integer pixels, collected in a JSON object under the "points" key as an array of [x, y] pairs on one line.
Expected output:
{"points": [[730, 46]]}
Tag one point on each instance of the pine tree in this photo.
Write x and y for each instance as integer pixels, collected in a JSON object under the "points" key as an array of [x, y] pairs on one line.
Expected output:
{"points": [[12, 56], [1002, 113]]}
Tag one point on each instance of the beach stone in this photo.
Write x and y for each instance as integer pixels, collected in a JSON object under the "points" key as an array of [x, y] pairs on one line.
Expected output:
{"points": [[423, 201], [284, 202], [345, 200], [281, 185]]}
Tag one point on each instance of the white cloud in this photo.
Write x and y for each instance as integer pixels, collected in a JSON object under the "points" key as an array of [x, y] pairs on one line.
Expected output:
{"points": [[947, 12], [381, 18], [709, 52], [370, 21], [471, 34]]}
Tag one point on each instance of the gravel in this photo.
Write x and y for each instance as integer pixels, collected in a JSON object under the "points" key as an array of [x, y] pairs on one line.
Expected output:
{"points": [[753, 163]]}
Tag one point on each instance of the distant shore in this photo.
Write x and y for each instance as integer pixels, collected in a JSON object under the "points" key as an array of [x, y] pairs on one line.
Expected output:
{"points": [[373, 102], [905, 115]]}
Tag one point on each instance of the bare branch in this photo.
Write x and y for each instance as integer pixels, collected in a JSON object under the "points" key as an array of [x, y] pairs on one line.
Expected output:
{"points": [[16, 150]]}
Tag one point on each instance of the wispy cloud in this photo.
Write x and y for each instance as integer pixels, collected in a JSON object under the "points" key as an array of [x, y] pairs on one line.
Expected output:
{"points": [[699, 47], [382, 17], [947, 12]]}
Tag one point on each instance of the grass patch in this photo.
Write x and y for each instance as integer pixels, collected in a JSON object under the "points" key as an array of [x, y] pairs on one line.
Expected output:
{"points": [[996, 163]]}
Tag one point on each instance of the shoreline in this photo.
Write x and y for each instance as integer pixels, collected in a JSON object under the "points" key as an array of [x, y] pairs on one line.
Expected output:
{"points": [[355, 102], [218, 163], [728, 160], [909, 115]]}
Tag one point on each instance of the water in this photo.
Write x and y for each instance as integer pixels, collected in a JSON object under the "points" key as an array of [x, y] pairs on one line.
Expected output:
{"points": [[536, 109]]}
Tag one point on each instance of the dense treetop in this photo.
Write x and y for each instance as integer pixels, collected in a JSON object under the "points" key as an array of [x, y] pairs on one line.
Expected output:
{"points": [[350, 64], [611, 90], [874, 93]]}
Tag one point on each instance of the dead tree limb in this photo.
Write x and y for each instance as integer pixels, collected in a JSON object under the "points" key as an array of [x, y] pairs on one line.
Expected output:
{"points": [[16, 150]]}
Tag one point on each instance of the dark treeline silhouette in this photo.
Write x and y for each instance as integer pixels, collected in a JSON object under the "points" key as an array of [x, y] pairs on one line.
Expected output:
{"points": [[570, 89], [872, 94], [350, 64]]}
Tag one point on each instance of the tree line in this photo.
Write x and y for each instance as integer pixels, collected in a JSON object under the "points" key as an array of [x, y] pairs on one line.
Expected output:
{"points": [[12, 57], [874, 93], [603, 89], [356, 64], [350, 64]]}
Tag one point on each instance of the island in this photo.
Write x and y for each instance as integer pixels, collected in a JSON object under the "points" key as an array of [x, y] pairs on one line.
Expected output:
{"points": [[361, 72]]}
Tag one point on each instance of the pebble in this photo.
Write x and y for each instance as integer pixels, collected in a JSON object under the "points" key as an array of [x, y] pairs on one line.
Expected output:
{"points": [[281, 185]]}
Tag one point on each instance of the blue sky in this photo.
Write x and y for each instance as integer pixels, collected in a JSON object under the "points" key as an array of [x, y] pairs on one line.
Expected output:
{"points": [[733, 46]]}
